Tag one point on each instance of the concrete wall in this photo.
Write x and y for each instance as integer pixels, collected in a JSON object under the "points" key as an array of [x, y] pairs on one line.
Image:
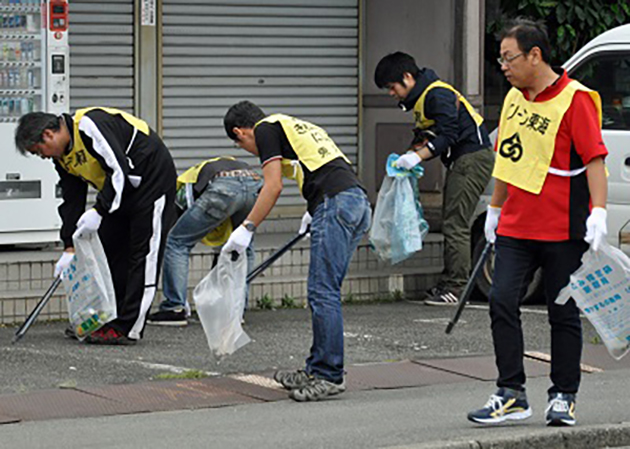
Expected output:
{"points": [[426, 30]]}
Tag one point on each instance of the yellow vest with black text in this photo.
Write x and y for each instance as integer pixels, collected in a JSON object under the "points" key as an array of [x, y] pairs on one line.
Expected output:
{"points": [[79, 162], [312, 145], [221, 233], [422, 122], [527, 137]]}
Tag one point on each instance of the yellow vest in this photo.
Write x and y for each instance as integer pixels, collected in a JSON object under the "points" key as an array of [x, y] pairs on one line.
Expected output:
{"points": [[79, 162], [312, 145], [527, 137], [423, 122], [221, 233]]}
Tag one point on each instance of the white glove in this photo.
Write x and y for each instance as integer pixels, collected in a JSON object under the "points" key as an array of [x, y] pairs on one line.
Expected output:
{"points": [[492, 221], [63, 262], [88, 223], [238, 241], [306, 222], [408, 161], [596, 229]]}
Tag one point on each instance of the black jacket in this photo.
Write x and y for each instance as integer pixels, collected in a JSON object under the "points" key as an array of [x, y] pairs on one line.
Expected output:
{"points": [[456, 130], [122, 155]]}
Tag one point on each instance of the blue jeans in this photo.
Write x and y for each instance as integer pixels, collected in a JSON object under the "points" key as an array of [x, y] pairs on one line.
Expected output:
{"points": [[338, 225], [222, 199]]}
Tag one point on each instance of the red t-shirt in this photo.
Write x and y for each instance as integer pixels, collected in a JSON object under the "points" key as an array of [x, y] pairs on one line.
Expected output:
{"points": [[560, 210]]}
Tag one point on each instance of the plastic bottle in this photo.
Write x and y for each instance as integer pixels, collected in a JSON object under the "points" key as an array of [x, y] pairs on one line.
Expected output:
{"points": [[93, 322]]}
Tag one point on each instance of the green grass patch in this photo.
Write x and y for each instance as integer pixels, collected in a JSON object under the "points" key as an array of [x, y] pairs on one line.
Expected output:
{"points": [[189, 374]]}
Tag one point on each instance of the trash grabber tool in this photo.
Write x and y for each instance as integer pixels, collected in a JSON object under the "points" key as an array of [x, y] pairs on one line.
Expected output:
{"points": [[275, 256], [469, 287], [38, 308]]}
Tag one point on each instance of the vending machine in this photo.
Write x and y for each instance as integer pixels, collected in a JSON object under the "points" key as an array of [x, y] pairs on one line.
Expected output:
{"points": [[34, 76]]}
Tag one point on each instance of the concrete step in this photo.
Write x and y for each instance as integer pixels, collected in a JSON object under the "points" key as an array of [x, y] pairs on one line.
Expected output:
{"points": [[26, 275]]}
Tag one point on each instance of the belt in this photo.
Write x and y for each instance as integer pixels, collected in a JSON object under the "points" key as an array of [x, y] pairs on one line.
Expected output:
{"points": [[238, 173]]}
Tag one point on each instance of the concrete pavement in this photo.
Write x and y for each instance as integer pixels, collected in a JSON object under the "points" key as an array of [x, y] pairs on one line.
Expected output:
{"points": [[383, 409]]}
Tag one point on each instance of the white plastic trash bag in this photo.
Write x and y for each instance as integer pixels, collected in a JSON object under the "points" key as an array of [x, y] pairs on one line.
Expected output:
{"points": [[601, 289], [398, 226], [89, 288], [220, 300]]}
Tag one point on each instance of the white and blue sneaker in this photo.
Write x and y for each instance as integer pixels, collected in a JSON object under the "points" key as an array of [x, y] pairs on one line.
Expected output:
{"points": [[505, 404], [560, 410]]}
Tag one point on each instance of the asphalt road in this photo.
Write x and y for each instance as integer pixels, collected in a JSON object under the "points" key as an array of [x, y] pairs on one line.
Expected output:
{"points": [[406, 417], [45, 359]]}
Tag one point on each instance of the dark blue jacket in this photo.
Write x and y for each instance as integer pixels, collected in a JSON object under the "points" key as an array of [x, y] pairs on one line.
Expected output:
{"points": [[456, 130]]}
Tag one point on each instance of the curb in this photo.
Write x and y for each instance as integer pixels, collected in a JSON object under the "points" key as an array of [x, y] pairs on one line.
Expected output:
{"points": [[588, 437]]}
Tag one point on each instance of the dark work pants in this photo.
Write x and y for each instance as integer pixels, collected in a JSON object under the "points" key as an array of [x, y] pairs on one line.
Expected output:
{"points": [[516, 261], [134, 238], [465, 181]]}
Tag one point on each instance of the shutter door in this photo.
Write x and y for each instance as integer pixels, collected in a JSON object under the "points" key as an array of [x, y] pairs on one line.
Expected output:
{"points": [[101, 54], [298, 57]]}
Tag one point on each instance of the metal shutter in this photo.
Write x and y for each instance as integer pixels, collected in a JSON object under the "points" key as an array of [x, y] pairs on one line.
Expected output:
{"points": [[101, 54], [298, 57]]}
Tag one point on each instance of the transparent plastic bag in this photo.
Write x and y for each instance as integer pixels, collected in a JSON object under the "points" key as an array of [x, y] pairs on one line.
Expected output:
{"points": [[398, 226], [220, 301], [601, 289], [89, 288]]}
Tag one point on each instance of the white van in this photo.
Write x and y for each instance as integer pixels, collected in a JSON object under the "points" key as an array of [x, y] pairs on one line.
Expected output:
{"points": [[603, 65]]}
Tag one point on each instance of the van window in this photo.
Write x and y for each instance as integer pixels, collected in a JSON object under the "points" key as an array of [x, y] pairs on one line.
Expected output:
{"points": [[609, 74]]}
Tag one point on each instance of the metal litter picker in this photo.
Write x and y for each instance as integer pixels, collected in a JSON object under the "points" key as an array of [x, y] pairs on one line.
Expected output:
{"points": [[36, 311], [469, 287]]}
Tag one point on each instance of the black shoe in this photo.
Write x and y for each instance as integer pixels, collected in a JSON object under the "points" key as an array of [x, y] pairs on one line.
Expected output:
{"points": [[433, 291], [70, 333], [505, 404], [168, 318], [560, 410], [443, 297]]}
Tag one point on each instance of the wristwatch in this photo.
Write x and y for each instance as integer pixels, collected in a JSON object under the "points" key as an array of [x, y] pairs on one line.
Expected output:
{"points": [[249, 225]]}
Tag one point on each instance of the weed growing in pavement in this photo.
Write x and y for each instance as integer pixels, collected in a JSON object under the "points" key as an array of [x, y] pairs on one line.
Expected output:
{"points": [[265, 303], [288, 302], [189, 374], [596, 340]]}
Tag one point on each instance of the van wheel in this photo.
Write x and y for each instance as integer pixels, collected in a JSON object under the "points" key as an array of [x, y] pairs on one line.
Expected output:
{"points": [[534, 294]]}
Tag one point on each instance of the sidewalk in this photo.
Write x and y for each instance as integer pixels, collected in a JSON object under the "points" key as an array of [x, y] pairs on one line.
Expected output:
{"points": [[410, 385]]}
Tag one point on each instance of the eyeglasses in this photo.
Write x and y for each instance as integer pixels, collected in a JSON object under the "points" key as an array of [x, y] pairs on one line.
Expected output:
{"points": [[502, 60]]}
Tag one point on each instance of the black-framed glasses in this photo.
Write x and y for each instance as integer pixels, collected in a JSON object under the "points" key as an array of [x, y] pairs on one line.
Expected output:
{"points": [[502, 60]]}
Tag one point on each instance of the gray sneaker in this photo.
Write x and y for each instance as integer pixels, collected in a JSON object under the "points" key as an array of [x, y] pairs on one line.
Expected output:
{"points": [[292, 379], [317, 389]]}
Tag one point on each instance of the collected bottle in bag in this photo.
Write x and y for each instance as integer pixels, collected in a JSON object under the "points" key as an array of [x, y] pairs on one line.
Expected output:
{"points": [[94, 321]]}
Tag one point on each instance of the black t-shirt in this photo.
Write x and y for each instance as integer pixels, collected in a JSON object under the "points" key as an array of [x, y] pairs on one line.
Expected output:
{"points": [[328, 180]]}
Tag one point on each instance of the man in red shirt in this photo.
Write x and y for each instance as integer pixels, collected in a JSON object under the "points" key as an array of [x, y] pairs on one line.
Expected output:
{"points": [[550, 195]]}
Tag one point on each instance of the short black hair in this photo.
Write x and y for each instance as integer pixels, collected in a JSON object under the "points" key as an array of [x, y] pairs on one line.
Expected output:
{"points": [[529, 34], [31, 127], [243, 114], [392, 68]]}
